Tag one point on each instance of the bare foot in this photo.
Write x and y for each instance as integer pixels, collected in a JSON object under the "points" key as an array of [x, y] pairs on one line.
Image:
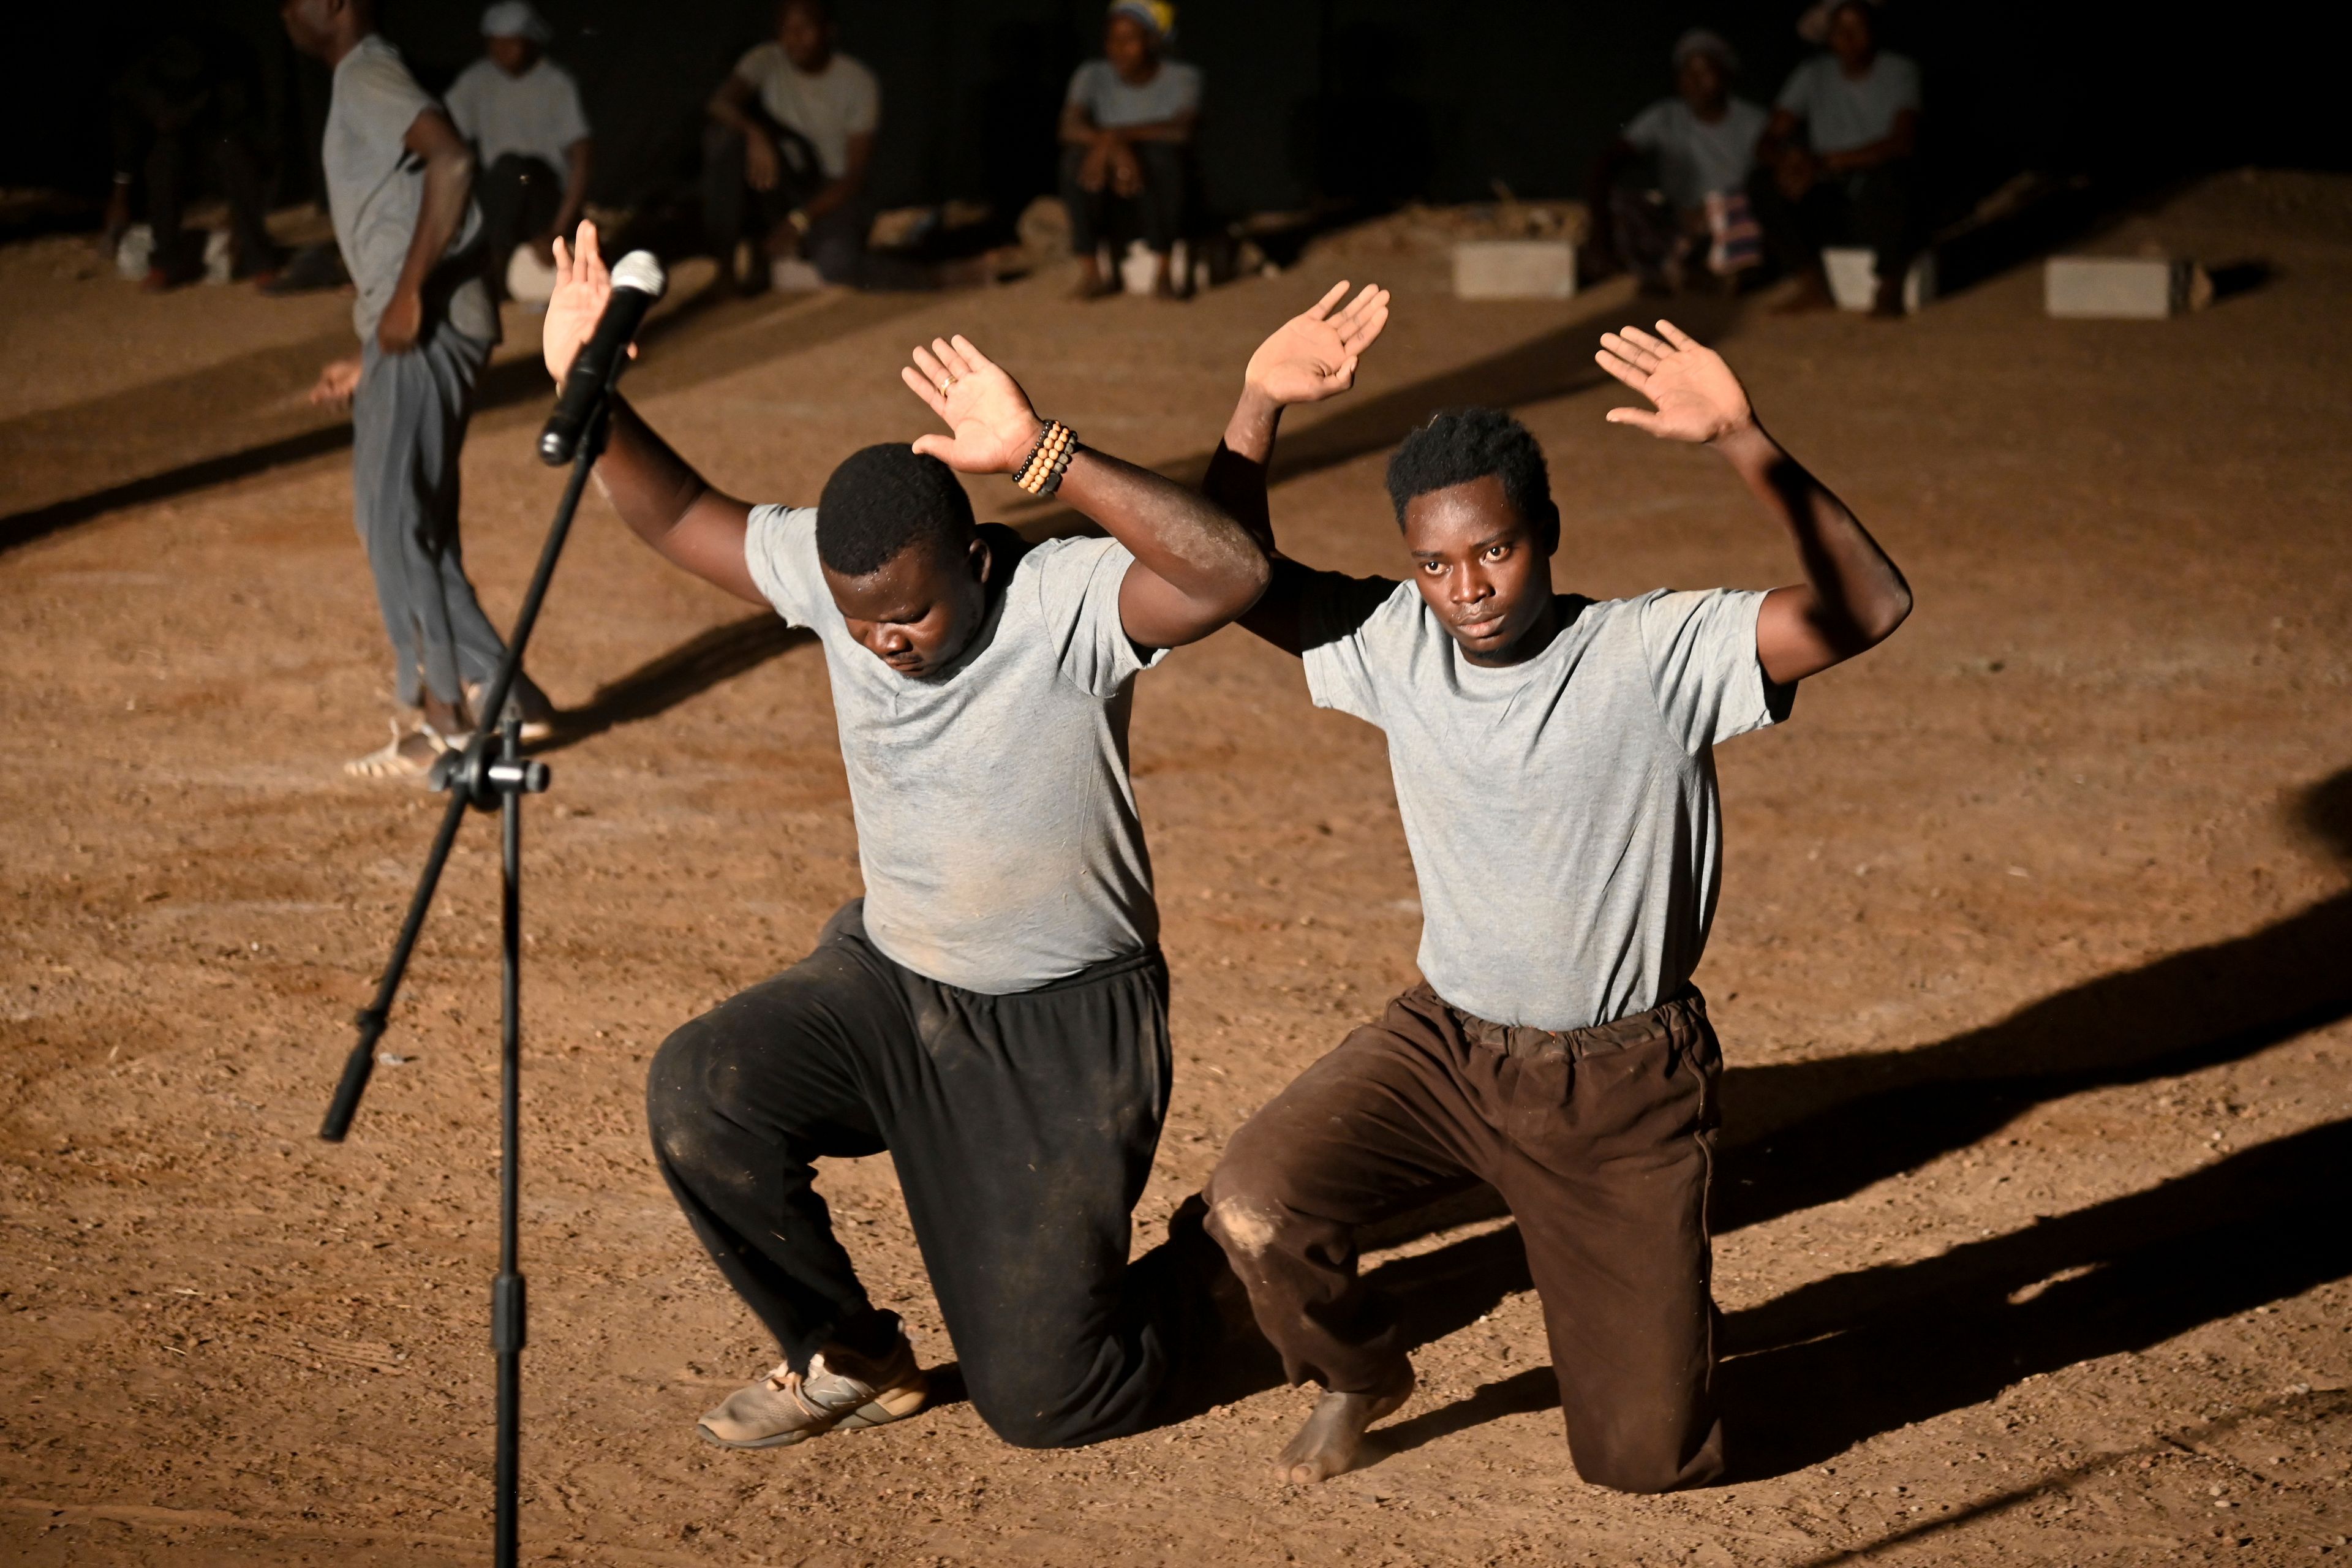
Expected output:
{"points": [[1327, 1445]]}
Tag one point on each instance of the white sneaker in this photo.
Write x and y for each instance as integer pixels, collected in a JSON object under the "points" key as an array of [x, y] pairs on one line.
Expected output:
{"points": [[841, 1390]]}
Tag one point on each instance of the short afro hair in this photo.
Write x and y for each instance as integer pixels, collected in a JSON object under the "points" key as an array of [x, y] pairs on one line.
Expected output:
{"points": [[885, 499], [1459, 444]]}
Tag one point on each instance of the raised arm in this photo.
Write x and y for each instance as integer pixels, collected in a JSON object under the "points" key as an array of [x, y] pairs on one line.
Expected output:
{"points": [[1852, 596], [658, 494], [448, 186], [1194, 570], [1310, 357]]}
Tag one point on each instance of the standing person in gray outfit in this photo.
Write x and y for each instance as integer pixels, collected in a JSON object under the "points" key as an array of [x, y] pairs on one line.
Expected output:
{"points": [[400, 189], [1554, 764]]}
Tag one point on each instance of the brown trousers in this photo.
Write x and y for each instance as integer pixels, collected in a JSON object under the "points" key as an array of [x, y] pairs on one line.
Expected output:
{"points": [[1602, 1140]]}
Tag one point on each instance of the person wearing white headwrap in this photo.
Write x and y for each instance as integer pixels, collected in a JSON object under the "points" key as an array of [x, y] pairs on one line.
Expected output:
{"points": [[1700, 146], [1839, 156], [522, 113], [1126, 122]]}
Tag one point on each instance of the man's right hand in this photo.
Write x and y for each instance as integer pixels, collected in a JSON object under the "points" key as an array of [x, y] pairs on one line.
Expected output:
{"points": [[583, 284], [337, 382], [763, 166]]}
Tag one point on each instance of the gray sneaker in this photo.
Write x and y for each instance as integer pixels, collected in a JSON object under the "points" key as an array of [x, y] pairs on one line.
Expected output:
{"points": [[841, 1390]]}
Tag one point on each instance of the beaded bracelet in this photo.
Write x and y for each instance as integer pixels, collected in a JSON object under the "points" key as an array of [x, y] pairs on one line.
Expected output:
{"points": [[1041, 474]]}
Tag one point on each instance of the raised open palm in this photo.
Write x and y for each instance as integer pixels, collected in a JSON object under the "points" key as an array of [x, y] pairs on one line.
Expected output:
{"points": [[991, 424], [1314, 354], [1694, 394], [583, 284]]}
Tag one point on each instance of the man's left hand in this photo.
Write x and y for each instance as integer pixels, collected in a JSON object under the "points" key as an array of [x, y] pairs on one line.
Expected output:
{"points": [[1313, 355], [404, 318], [994, 426], [1696, 397]]}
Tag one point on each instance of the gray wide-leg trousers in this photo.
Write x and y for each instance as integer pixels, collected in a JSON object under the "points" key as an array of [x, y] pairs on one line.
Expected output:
{"points": [[408, 426]]}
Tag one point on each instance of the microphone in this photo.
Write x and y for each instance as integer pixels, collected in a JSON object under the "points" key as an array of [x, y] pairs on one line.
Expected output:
{"points": [[637, 282]]}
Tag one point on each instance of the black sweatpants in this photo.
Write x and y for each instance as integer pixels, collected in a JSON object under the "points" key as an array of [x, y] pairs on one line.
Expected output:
{"points": [[1023, 1128]]}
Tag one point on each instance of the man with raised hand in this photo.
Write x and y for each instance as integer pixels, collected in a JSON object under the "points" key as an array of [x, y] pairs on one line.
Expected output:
{"points": [[993, 1011], [1553, 760]]}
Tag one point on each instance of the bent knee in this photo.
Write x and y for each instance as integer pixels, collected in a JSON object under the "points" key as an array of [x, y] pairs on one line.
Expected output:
{"points": [[1249, 1194], [1649, 1462], [1036, 1413], [679, 1101]]}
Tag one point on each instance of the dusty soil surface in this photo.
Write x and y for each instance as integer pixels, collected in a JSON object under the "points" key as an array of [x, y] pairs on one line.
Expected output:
{"points": [[2033, 965]]}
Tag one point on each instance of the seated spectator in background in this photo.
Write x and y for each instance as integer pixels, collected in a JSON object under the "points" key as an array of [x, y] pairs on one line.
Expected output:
{"points": [[521, 111], [1126, 126], [191, 97], [1691, 208], [791, 137], [1837, 157]]}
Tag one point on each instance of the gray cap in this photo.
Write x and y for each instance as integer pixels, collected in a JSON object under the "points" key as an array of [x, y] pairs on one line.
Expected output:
{"points": [[515, 19]]}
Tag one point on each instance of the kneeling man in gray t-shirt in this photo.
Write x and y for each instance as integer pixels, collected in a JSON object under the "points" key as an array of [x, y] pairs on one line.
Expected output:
{"points": [[1554, 768], [994, 1010]]}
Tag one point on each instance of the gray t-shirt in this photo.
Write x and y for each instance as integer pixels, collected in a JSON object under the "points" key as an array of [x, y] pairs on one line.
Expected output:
{"points": [[536, 114], [838, 102], [375, 186], [1561, 812], [1110, 101], [1842, 113], [996, 823], [1696, 158]]}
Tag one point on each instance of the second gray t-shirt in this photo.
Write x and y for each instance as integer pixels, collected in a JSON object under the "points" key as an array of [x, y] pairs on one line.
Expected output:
{"points": [[1561, 812], [375, 185], [1842, 112], [996, 823]]}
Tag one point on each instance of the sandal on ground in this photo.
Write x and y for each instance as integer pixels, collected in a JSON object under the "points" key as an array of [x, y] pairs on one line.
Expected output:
{"points": [[409, 755]]}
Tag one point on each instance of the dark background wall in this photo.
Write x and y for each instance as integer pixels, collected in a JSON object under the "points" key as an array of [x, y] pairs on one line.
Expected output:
{"points": [[1357, 100]]}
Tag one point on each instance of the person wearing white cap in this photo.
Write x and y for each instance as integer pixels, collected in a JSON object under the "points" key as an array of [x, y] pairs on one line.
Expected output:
{"points": [[1700, 145], [522, 113], [1838, 156]]}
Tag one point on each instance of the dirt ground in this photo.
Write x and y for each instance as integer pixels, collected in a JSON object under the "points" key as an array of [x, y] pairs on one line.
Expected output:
{"points": [[2034, 965]]}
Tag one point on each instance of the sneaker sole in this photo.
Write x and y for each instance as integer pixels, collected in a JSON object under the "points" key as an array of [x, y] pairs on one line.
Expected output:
{"points": [[891, 1405]]}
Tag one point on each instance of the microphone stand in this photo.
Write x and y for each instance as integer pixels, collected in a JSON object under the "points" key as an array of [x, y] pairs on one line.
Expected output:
{"points": [[480, 781]]}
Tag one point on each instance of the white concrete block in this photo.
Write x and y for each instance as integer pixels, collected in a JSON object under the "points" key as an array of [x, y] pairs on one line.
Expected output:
{"points": [[1514, 270], [2133, 288], [1853, 279]]}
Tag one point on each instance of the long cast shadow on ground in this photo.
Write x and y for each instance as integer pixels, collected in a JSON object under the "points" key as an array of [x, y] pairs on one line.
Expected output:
{"points": [[701, 339], [704, 661], [1837, 1361]]}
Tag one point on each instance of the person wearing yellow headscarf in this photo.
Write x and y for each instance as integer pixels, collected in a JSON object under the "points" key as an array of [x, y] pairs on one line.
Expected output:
{"points": [[1126, 125]]}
